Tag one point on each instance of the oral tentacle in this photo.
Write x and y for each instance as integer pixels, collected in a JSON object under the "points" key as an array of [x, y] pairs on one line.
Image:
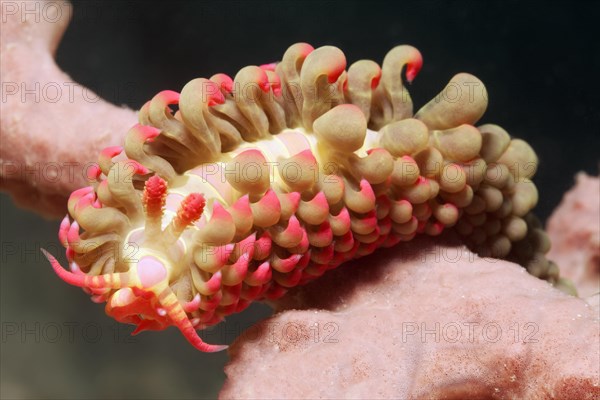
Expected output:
{"points": [[177, 314], [107, 281]]}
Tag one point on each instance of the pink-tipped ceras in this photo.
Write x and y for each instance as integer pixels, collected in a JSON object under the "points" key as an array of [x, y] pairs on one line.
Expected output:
{"points": [[265, 181]]}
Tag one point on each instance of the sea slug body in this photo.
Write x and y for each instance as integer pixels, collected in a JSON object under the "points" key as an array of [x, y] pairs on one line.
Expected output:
{"points": [[265, 181]]}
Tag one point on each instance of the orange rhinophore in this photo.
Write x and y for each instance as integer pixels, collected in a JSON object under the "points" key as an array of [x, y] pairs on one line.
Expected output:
{"points": [[265, 181]]}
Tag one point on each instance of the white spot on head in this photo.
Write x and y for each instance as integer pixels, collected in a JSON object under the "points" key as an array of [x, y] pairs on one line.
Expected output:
{"points": [[151, 271]]}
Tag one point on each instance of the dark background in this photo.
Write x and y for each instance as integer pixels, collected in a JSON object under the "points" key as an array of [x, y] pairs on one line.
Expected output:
{"points": [[538, 60]]}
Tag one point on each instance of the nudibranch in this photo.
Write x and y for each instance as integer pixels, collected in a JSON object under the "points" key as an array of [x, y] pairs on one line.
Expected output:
{"points": [[236, 190]]}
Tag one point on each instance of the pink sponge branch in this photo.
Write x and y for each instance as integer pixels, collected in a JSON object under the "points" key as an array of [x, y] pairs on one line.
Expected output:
{"points": [[68, 133], [441, 323]]}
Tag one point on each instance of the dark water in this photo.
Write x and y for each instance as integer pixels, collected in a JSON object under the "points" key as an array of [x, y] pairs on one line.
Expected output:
{"points": [[539, 62]]}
